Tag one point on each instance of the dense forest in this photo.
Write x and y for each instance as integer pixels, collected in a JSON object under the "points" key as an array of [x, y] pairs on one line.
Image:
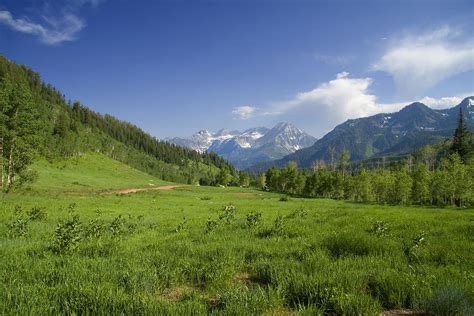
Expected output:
{"points": [[37, 121], [442, 174]]}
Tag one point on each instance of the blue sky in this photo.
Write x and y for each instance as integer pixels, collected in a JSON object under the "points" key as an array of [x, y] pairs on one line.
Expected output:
{"points": [[175, 67]]}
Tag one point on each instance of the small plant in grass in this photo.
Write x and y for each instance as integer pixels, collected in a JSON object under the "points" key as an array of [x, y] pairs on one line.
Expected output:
{"points": [[94, 229], [72, 207], [228, 214], [298, 213], [412, 249], [284, 199], [253, 219], [18, 228], [211, 225], [68, 234], [18, 210], [277, 228], [278, 225], [117, 227], [379, 228], [36, 213], [205, 198], [182, 225]]}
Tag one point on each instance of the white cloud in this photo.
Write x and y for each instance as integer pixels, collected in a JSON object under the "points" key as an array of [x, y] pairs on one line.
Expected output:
{"points": [[53, 32], [336, 100], [418, 63], [244, 112], [322, 108], [444, 102]]}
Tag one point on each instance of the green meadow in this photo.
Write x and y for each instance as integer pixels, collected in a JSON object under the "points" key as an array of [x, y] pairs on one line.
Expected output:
{"points": [[71, 245]]}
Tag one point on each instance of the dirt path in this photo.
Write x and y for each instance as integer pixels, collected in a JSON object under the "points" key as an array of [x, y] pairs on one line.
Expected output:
{"points": [[134, 190]]}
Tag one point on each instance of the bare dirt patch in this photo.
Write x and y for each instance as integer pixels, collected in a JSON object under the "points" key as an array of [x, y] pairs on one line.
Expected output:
{"points": [[134, 190]]}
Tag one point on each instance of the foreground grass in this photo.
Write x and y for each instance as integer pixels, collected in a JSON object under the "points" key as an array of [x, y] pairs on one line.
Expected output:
{"points": [[179, 252], [163, 256]]}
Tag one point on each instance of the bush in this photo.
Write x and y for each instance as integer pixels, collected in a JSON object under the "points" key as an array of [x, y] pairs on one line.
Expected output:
{"points": [[17, 228], [229, 214], [36, 213], [68, 234], [379, 228], [210, 225], [277, 229], [298, 213], [253, 219]]}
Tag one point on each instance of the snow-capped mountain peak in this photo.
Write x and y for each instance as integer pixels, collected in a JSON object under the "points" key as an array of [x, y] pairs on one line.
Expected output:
{"points": [[251, 146]]}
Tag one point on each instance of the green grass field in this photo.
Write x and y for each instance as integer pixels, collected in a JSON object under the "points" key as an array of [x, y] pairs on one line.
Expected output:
{"points": [[67, 249]]}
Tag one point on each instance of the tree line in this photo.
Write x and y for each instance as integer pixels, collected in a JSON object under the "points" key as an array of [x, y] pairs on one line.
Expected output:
{"points": [[423, 178]]}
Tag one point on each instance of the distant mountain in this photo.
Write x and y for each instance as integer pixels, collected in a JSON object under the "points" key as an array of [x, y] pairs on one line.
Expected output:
{"points": [[255, 145], [383, 134]]}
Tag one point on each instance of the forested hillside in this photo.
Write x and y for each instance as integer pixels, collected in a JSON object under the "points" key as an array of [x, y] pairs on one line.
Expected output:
{"points": [[36, 120], [439, 174]]}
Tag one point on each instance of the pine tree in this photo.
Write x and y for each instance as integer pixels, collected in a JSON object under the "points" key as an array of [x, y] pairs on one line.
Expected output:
{"points": [[460, 140]]}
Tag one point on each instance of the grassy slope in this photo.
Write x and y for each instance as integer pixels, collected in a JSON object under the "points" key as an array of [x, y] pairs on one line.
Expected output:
{"points": [[326, 260], [89, 173]]}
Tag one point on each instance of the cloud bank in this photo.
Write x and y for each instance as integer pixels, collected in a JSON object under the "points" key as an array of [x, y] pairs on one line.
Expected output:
{"points": [[418, 63]]}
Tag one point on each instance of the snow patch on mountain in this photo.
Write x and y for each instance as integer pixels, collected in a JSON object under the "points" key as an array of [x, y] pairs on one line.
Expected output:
{"points": [[251, 146]]}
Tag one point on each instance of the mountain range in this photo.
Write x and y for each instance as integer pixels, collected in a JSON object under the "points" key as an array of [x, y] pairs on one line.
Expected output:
{"points": [[253, 146], [386, 134]]}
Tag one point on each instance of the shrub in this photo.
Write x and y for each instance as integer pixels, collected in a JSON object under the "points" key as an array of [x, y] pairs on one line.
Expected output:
{"points": [[277, 228], [37, 213], [117, 227], [18, 228], [94, 229], [379, 228], [253, 219], [210, 225], [228, 214], [298, 213], [68, 234]]}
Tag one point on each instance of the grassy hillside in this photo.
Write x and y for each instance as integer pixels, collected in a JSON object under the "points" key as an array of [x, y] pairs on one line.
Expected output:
{"points": [[91, 172], [179, 251]]}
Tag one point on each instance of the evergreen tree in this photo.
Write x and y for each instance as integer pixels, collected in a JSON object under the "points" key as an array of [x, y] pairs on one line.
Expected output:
{"points": [[460, 144]]}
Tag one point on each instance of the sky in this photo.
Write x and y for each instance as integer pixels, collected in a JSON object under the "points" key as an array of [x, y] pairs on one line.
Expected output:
{"points": [[175, 67]]}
